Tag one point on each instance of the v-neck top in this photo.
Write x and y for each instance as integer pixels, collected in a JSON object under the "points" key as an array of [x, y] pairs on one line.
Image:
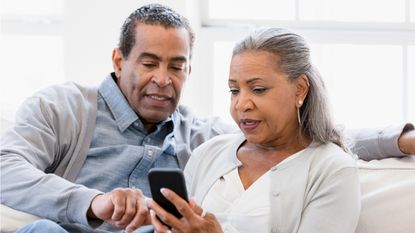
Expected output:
{"points": [[315, 191], [237, 209]]}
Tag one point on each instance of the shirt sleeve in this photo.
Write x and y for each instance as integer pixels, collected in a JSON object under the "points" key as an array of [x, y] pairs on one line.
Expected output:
{"points": [[335, 207], [29, 149], [378, 143]]}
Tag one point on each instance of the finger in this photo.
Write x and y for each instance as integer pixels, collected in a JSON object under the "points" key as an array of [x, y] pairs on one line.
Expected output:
{"points": [[119, 199], [165, 216], [181, 205], [141, 216], [158, 226], [129, 211], [196, 208]]}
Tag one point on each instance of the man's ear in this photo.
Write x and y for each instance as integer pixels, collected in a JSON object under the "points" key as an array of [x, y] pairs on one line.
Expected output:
{"points": [[117, 60], [303, 85]]}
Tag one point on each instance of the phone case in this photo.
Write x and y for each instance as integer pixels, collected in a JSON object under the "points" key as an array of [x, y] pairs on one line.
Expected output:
{"points": [[170, 178]]}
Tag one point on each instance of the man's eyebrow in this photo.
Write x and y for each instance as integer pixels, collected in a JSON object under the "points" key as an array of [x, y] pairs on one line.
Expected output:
{"points": [[155, 57], [179, 59], [148, 55]]}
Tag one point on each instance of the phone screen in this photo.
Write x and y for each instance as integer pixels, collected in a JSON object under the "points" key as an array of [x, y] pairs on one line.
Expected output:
{"points": [[170, 178]]}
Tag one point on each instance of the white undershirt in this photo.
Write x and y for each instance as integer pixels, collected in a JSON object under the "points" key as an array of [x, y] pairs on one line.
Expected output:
{"points": [[237, 209]]}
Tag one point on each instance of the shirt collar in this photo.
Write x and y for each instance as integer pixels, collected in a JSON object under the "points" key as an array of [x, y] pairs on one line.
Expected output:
{"points": [[123, 114]]}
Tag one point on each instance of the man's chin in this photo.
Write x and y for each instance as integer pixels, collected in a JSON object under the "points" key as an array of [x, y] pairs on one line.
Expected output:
{"points": [[154, 117]]}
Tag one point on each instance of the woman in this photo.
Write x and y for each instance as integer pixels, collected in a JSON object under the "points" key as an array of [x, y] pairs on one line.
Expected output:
{"points": [[289, 170]]}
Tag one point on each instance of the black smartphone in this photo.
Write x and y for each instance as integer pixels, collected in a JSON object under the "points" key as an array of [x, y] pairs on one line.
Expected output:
{"points": [[171, 178]]}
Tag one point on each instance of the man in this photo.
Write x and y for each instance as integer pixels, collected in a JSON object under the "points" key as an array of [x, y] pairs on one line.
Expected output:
{"points": [[83, 154]]}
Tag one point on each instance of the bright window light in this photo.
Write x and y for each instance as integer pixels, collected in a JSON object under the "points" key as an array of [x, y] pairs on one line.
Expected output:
{"points": [[222, 57], [248, 9], [353, 10], [31, 7], [27, 64], [412, 10], [410, 88], [364, 82]]}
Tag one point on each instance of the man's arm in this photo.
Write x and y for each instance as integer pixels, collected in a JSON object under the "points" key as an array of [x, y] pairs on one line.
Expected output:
{"points": [[31, 147], [392, 141]]}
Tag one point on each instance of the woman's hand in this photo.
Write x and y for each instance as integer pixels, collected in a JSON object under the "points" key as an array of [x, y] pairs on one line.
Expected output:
{"points": [[194, 219]]}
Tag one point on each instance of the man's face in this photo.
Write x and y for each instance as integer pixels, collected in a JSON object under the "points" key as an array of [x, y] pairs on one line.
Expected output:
{"points": [[152, 76]]}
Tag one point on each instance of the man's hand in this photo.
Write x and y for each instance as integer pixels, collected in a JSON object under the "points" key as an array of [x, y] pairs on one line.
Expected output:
{"points": [[122, 207], [406, 142]]}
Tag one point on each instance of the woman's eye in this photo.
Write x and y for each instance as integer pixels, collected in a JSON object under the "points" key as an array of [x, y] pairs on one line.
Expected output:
{"points": [[258, 90], [234, 91]]}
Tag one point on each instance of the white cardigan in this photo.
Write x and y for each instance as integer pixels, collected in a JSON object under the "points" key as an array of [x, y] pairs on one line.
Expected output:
{"points": [[316, 192]]}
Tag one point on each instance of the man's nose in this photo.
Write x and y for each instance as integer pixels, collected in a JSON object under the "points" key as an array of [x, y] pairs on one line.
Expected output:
{"points": [[162, 77]]}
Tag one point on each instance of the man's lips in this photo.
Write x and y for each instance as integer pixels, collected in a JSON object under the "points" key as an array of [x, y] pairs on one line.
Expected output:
{"points": [[159, 97], [159, 100]]}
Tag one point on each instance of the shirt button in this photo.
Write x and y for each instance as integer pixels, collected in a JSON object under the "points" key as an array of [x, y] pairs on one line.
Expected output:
{"points": [[136, 125], [276, 194], [150, 152]]}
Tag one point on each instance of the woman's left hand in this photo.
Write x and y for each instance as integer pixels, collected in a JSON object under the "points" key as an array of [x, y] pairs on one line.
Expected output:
{"points": [[193, 220]]}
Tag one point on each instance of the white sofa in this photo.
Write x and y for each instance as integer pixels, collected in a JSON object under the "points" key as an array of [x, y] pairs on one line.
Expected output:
{"points": [[388, 197]]}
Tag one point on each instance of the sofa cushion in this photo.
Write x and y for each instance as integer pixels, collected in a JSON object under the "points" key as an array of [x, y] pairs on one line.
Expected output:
{"points": [[388, 195]]}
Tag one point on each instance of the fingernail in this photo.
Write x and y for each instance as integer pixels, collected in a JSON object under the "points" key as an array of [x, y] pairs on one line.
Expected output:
{"points": [[163, 191], [152, 213]]}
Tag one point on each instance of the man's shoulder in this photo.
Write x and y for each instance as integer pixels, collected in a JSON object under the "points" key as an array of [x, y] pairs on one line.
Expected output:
{"points": [[67, 90], [184, 117]]}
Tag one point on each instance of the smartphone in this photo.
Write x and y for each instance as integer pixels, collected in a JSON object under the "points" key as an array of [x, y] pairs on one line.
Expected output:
{"points": [[171, 178]]}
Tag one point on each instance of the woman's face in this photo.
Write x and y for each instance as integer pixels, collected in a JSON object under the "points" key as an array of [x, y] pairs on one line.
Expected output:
{"points": [[263, 100]]}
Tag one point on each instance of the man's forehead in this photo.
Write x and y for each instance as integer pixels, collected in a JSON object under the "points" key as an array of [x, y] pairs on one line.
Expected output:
{"points": [[164, 43]]}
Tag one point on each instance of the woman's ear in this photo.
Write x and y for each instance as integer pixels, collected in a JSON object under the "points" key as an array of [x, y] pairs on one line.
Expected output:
{"points": [[303, 85], [117, 60]]}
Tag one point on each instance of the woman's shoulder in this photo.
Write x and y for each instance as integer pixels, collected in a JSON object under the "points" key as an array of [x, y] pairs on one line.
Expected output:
{"points": [[332, 155]]}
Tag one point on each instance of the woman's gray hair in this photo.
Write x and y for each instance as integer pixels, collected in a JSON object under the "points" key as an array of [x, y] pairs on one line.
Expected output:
{"points": [[294, 60]]}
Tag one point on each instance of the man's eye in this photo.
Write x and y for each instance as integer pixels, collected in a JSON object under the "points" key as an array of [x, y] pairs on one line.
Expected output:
{"points": [[149, 65], [178, 68]]}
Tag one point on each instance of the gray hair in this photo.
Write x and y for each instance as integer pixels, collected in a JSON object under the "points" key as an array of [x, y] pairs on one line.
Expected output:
{"points": [[151, 14], [294, 54]]}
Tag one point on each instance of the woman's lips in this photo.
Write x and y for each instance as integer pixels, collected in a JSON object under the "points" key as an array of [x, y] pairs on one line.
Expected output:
{"points": [[248, 124]]}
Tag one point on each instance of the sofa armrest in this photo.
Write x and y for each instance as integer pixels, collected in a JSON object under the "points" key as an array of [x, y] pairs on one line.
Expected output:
{"points": [[11, 219]]}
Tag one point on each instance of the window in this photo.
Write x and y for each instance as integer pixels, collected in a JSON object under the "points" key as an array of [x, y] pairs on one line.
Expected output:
{"points": [[32, 45], [362, 48]]}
